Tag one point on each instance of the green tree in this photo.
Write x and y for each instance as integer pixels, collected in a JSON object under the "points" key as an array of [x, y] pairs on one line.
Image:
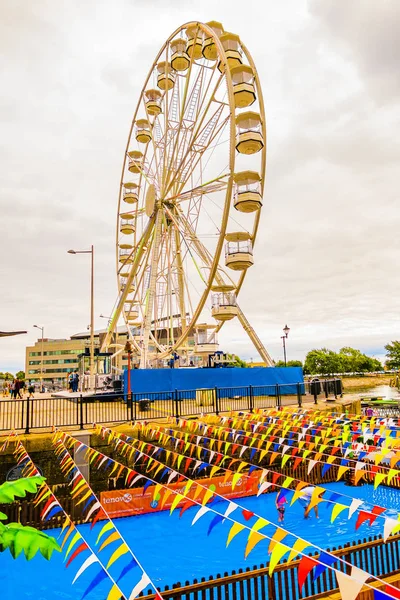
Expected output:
{"points": [[322, 362], [8, 376], [20, 375], [290, 363], [236, 361], [393, 355], [19, 538]]}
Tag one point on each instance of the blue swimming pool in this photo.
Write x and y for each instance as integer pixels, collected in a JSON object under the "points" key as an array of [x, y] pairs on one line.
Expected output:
{"points": [[172, 550]]}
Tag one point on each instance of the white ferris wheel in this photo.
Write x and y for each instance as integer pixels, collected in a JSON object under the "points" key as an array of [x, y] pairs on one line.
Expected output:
{"points": [[190, 197]]}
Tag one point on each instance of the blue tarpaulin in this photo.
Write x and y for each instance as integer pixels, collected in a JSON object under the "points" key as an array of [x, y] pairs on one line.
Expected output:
{"points": [[162, 380]]}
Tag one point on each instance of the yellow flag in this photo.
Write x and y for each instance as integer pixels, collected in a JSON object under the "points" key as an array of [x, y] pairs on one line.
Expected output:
{"points": [[177, 499], [234, 530], [379, 477], [336, 510], [123, 549], [259, 524], [298, 547], [104, 530], [115, 593], [341, 472], [235, 479], [277, 553], [391, 474], [287, 482]]}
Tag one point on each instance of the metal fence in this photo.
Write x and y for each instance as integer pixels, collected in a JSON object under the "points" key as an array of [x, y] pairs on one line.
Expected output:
{"points": [[80, 411]]}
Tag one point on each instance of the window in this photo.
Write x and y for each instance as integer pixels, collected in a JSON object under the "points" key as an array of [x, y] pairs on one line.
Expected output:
{"points": [[57, 352]]}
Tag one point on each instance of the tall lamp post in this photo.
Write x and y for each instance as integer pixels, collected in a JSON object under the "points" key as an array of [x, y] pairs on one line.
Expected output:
{"points": [[286, 330], [91, 251], [41, 353]]}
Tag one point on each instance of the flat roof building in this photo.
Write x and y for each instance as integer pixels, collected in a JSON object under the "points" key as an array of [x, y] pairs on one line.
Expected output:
{"points": [[60, 356]]}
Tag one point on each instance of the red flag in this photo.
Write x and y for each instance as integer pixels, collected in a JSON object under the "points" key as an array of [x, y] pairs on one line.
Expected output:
{"points": [[364, 516], [306, 565]]}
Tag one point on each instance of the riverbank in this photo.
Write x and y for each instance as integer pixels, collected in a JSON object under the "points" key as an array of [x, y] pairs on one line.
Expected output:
{"points": [[353, 385]]}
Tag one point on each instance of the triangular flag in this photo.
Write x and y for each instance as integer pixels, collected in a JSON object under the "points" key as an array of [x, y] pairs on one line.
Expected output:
{"points": [[391, 526], [89, 561], [355, 503], [277, 553], [379, 477], [114, 593], [254, 538], [202, 511], [350, 587], [139, 587], [277, 537], [234, 530], [336, 510], [305, 566], [298, 547], [123, 549], [325, 560], [264, 486]]}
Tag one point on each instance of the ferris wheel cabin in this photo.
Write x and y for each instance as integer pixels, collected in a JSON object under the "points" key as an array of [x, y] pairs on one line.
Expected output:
{"points": [[231, 44], [180, 61], [143, 131], [194, 45], [130, 195], [243, 85], [166, 76], [153, 102], [223, 303], [127, 227], [205, 340], [249, 138], [247, 196], [209, 50], [135, 161], [238, 251]]}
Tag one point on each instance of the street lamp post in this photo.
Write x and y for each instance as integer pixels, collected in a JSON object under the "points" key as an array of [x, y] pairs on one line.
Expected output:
{"points": [[286, 330], [41, 353], [91, 251]]}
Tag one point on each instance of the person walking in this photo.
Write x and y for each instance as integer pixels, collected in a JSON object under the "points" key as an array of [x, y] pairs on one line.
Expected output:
{"points": [[18, 387], [5, 388], [31, 389]]}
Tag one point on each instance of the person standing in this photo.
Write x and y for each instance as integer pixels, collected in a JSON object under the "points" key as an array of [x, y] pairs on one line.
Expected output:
{"points": [[280, 502], [75, 381], [305, 500]]}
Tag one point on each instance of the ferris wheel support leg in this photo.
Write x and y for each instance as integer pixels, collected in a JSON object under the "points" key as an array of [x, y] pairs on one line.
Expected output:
{"points": [[151, 291], [259, 346]]}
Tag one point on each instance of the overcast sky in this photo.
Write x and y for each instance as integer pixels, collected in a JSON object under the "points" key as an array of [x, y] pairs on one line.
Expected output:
{"points": [[327, 256]]}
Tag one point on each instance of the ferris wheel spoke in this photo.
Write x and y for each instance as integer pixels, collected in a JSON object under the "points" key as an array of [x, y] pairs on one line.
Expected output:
{"points": [[152, 289], [200, 135]]}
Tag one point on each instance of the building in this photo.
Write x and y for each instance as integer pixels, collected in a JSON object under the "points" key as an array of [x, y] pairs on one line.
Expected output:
{"points": [[60, 356]]}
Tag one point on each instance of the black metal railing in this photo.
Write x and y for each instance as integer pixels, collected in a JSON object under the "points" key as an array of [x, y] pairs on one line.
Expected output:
{"points": [[80, 411]]}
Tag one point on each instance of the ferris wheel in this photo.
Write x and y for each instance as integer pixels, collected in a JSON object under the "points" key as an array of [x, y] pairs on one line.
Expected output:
{"points": [[190, 196]]}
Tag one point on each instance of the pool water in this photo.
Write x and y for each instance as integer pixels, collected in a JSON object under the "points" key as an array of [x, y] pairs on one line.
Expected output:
{"points": [[172, 550]]}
